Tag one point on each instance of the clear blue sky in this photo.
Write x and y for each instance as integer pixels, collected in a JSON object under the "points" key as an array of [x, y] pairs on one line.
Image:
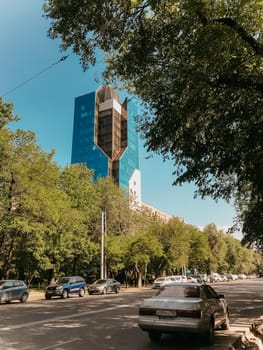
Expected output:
{"points": [[46, 105]]}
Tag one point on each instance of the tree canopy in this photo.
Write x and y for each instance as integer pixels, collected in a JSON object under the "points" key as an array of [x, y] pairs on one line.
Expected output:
{"points": [[51, 224], [197, 65]]}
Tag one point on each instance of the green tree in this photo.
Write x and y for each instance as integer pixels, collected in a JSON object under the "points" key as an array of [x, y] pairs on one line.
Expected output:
{"points": [[198, 67], [83, 248], [174, 237], [28, 179], [141, 248], [234, 255], [218, 249], [199, 252], [115, 203]]}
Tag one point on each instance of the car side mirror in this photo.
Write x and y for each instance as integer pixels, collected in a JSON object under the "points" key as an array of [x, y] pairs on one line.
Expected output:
{"points": [[221, 296]]}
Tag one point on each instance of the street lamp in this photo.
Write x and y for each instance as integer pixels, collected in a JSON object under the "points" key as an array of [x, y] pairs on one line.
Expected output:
{"points": [[102, 246]]}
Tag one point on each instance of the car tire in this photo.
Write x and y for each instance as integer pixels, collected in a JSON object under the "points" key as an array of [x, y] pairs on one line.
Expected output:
{"points": [[210, 334], [64, 294], [154, 336], [104, 291], [24, 298], [226, 324], [47, 296], [117, 290], [81, 292]]}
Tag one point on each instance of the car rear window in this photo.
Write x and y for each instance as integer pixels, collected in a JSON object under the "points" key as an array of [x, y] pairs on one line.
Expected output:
{"points": [[171, 291]]}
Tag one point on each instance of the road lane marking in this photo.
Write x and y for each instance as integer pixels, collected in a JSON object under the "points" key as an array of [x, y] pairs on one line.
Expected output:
{"points": [[60, 318], [60, 343]]}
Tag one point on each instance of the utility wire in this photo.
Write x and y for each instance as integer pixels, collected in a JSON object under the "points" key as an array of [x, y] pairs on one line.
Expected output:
{"points": [[63, 58]]}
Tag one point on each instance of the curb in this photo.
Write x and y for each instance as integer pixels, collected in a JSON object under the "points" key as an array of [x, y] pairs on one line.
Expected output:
{"points": [[40, 294], [252, 338]]}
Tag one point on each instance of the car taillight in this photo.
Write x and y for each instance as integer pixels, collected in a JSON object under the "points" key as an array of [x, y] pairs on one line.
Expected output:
{"points": [[143, 311], [189, 313]]}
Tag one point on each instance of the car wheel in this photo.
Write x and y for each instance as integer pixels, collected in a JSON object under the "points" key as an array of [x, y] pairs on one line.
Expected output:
{"points": [[117, 290], [154, 336], [226, 324], [210, 334], [104, 291], [47, 296], [81, 292], [64, 294], [24, 298]]}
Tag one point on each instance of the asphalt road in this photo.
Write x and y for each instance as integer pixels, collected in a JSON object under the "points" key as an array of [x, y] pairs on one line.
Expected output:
{"points": [[110, 322]]}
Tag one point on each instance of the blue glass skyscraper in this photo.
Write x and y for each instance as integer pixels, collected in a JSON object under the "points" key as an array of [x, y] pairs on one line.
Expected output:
{"points": [[105, 138]]}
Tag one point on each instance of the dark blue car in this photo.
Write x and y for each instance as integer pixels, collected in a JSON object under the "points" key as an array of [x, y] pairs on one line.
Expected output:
{"points": [[65, 286]]}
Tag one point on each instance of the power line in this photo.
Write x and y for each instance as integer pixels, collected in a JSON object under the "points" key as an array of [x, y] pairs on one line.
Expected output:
{"points": [[63, 58]]}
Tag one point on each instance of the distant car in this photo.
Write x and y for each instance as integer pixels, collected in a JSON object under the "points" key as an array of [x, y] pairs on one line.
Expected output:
{"points": [[234, 277], [161, 281], [203, 277], [65, 286], [184, 307], [103, 286], [214, 277], [13, 290], [192, 279], [178, 278]]}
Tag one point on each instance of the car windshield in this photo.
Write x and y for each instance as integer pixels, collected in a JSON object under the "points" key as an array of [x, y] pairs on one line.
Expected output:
{"points": [[100, 281], [178, 292], [62, 280]]}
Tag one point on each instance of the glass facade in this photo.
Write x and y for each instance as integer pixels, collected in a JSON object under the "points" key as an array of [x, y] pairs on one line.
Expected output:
{"points": [[105, 137], [130, 158], [84, 149]]}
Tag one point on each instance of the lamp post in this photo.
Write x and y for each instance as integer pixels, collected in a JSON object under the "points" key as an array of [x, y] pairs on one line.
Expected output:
{"points": [[102, 246]]}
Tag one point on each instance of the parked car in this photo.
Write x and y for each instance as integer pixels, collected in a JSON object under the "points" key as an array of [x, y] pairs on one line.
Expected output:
{"points": [[192, 279], [13, 290], [178, 278], [214, 277], [103, 286], [65, 286], [161, 281], [234, 277], [196, 277], [184, 307], [203, 277]]}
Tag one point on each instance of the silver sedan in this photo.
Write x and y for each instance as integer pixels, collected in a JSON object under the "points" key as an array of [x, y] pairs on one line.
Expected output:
{"points": [[184, 307], [103, 286]]}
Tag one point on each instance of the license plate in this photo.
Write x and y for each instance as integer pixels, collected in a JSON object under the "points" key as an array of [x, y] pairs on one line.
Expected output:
{"points": [[166, 313]]}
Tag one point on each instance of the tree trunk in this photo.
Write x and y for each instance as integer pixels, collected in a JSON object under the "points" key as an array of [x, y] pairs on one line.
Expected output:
{"points": [[138, 276]]}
